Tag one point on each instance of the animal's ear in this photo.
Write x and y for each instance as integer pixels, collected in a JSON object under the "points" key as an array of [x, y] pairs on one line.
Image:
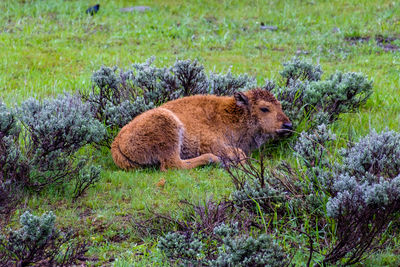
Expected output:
{"points": [[241, 99]]}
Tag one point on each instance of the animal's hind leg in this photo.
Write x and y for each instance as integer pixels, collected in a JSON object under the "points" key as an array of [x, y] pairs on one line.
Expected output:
{"points": [[177, 163], [152, 138]]}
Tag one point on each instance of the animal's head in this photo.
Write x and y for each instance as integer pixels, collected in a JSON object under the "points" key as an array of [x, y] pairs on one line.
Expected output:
{"points": [[265, 112]]}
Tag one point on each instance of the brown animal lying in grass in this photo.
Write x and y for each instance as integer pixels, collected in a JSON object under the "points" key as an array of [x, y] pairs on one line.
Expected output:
{"points": [[196, 130]]}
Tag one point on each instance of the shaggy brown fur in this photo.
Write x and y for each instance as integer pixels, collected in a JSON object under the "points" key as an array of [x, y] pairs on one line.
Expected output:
{"points": [[196, 130]]}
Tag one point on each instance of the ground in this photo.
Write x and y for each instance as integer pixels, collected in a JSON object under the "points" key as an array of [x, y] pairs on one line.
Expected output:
{"points": [[48, 47]]}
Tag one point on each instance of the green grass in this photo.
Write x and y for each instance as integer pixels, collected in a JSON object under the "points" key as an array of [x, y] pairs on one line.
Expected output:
{"points": [[48, 47]]}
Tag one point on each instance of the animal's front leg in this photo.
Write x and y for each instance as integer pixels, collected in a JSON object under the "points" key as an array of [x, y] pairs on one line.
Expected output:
{"points": [[235, 154], [230, 154]]}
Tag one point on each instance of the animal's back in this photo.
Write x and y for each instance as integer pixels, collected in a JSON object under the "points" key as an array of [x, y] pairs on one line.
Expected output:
{"points": [[199, 111]]}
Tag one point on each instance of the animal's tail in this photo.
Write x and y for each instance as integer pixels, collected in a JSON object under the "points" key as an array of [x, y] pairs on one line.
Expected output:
{"points": [[119, 158]]}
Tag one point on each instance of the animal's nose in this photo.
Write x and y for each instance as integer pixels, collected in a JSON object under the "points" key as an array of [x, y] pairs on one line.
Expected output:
{"points": [[286, 129], [288, 126]]}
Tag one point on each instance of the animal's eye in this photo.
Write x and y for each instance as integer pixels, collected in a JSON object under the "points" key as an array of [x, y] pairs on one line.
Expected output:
{"points": [[264, 109]]}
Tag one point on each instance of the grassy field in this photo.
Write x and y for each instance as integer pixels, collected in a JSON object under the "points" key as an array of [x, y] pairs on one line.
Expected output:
{"points": [[48, 47]]}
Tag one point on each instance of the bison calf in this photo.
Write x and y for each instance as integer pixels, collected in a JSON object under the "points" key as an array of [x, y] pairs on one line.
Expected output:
{"points": [[196, 130]]}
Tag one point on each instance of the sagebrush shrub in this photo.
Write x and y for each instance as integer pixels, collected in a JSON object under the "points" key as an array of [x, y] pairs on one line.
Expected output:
{"points": [[207, 215], [252, 194], [227, 84], [315, 175], [310, 146], [39, 141], [375, 155], [304, 96], [107, 77], [87, 177], [253, 184], [280, 191], [187, 249], [259, 186], [297, 69], [360, 191], [112, 99], [191, 77], [13, 170], [9, 151], [38, 241], [366, 195], [8, 122], [340, 93], [60, 125], [54, 130], [243, 250], [226, 247], [194, 242]]}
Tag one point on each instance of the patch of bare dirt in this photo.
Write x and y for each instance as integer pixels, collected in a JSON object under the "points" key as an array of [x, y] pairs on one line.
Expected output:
{"points": [[384, 42], [354, 40]]}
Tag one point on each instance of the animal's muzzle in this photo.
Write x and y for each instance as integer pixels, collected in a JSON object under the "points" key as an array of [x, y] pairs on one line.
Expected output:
{"points": [[286, 129]]}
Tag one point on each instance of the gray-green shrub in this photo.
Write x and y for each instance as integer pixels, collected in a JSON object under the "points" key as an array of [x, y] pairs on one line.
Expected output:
{"points": [[54, 130], [186, 249], [39, 241], [9, 152], [375, 155], [39, 141], [360, 191], [244, 250], [228, 84], [252, 193], [13, 170], [60, 125], [297, 69], [226, 247], [366, 195], [304, 95], [310, 146], [87, 177]]}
